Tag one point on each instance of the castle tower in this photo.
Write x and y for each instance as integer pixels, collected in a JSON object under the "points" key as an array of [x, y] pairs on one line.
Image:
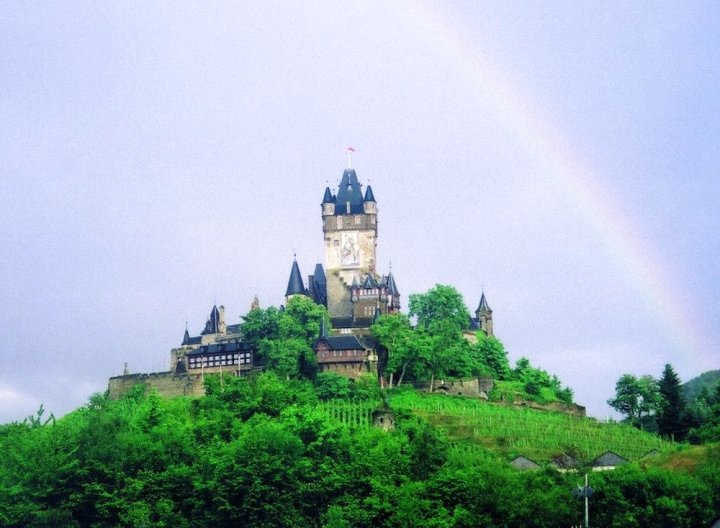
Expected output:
{"points": [[350, 233], [484, 316]]}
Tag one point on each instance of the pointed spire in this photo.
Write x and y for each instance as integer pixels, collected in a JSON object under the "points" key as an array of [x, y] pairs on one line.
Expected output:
{"points": [[369, 197], [295, 284], [483, 306], [186, 337], [328, 198], [215, 319], [255, 305], [392, 285]]}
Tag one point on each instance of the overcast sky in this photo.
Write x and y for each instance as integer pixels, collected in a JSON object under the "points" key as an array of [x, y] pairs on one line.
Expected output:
{"points": [[158, 157]]}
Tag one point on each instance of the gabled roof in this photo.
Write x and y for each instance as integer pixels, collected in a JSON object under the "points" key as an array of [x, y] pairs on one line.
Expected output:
{"points": [[369, 282], [344, 342], [349, 191], [565, 461], [369, 197], [295, 283], [608, 459], [522, 462], [483, 306]]}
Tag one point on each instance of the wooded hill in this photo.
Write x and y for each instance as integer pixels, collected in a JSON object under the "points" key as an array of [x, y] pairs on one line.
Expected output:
{"points": [[264, 451]]}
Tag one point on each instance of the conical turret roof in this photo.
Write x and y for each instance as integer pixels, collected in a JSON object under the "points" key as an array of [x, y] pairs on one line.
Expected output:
{"points": [[369, 196], [328, 198], [392, 285], [483, 306], [295, 284]]}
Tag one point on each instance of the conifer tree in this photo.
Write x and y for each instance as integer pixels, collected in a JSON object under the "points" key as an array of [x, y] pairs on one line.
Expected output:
{"points": [[672, 410]]}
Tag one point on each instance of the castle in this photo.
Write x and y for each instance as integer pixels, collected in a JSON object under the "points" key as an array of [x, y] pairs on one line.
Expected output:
{"points": [[349, 286]]}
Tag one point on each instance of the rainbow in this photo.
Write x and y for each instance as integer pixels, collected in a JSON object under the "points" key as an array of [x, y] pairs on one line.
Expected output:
{"points": [[564, 170]]}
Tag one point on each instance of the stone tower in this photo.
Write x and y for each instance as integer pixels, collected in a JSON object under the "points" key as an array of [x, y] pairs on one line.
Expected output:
{"points": [[350, 233], [484, 316]]}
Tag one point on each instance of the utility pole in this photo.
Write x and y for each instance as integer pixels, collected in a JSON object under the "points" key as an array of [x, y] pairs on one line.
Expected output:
{"points": [[584, 492]]}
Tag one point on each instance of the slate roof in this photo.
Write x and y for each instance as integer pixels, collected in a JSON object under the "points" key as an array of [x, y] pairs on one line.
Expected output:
{"points": [[218, 348], [213, 324], [369, 282], [369, 196], [328, 198], [317, 285], [391, 284], [483, 306], [341, 322], [349, 191], [233, 329], [295, 283], [344, 342]]}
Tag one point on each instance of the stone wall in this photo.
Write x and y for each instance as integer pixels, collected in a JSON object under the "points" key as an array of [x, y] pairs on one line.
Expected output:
{"points": [[474, 388], [165, 383]]}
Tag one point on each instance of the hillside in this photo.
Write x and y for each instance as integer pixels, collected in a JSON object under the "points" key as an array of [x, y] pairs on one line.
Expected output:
{"points": [[708, 380], [512, 430], [265, 452]]}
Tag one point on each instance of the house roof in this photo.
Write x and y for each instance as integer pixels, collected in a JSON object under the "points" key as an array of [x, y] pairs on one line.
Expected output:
{"points": [[608, 459], [218, 348], [565, 461], [344, 342], [522, 462]]}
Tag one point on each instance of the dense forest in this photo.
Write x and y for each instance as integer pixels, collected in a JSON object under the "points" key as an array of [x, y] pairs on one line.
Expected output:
{"points": [[262, 451], [290, 446]]}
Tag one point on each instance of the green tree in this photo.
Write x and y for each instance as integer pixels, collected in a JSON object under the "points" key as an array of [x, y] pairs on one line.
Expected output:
{"points": [[670, 417], [636, 398], [259, 324], [440, 310], [408, 350], [492, 355]]}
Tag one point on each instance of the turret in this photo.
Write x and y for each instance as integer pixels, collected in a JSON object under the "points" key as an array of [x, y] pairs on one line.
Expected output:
{"points": [[328, 203], [484, 316], [369, 204]]}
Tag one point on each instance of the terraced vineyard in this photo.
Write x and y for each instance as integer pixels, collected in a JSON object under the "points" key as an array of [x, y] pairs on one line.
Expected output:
{"points": [[539, 435]]}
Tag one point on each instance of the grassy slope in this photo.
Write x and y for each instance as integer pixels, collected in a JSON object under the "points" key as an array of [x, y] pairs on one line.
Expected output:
{"points": [[538, 435]]}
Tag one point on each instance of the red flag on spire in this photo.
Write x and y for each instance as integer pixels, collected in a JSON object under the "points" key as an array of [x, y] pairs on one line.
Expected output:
{"points": [[350, 149]]}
